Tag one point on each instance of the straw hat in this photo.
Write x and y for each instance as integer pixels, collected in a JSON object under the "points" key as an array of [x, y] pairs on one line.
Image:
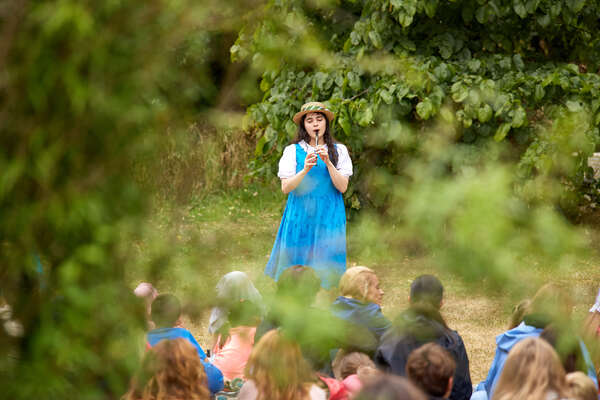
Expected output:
{"points": [[313, 106]]}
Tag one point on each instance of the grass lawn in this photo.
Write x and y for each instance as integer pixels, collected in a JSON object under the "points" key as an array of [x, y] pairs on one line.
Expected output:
{"points": [[236, 231]]}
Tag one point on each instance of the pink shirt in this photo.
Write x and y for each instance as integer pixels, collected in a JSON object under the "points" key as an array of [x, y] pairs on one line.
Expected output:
{"points": [[231, 358]]}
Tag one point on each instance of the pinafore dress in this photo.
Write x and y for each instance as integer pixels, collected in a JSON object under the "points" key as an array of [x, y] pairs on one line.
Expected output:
{"points": [[313, 227]]}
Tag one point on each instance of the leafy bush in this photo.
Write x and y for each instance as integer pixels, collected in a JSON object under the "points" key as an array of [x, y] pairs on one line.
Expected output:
{"points": [[498, 70]]}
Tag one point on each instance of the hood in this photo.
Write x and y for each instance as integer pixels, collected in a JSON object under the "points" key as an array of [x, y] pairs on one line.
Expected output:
{"points": [[345, 307], [508, 339]]}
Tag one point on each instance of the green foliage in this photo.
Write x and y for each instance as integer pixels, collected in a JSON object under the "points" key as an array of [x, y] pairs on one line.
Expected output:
{"points": [[87, 90], [414, 61]]}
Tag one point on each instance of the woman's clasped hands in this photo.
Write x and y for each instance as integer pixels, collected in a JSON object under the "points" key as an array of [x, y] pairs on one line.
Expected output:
{"points": [[310, 161]]}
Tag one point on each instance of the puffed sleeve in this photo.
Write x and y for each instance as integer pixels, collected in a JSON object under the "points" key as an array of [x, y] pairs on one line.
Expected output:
{"points": [[287, 163], [344, 164]]}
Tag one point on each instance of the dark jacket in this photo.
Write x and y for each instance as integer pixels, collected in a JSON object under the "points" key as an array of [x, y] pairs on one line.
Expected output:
{"points": [[414, 328]]}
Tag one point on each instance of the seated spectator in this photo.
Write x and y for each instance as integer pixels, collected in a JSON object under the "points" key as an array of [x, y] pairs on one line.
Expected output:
{"points": [[232, 348], [532, 371], [233, 287], [165, 313], [390, 387], [360, 300], [548, 303], [318, 332], [423, 323], [431, 368], [581, 386], [353, 369], [171, 370], [277, 370]]}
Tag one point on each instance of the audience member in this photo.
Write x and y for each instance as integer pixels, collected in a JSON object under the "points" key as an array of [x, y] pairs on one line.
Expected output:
{"points": [[232, 348], [532, 371], [318, 332], [390, 387], [549, 302], [233, 287], [165, 313], [360, 300], [423, 323], [431, 368], [581, 386], [171, 370], [352, 370], [276, 370]]}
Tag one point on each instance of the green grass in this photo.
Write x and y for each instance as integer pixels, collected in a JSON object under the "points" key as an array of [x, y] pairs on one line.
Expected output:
{"points": [[229, 231]]}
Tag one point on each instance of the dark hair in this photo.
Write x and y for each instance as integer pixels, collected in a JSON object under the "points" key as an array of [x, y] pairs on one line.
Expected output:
{"points": [[300, 282], [430, 367], [390, 387], [165, 310], [426, 289], [329, 140]]}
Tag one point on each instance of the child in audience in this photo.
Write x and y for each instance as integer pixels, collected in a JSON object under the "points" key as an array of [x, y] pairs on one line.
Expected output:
{"points": [[171, 370], [360, 300], [353, 369], [423, 323], [165, 313], [431, 368], [276, 370], [390, 387], [549, 305], [581, 386], [232, 348], [233, 287], [532, 371]]}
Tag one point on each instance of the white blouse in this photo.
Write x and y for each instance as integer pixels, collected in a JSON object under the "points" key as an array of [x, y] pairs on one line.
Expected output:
{"points": [[287, 163]]}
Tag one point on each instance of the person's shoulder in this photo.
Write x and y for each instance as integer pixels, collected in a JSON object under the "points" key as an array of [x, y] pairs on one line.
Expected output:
{"points": [[341, 146]]}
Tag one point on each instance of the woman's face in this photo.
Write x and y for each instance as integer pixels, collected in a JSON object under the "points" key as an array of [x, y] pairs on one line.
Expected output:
{"points": [[315, 122], [375, 293]]}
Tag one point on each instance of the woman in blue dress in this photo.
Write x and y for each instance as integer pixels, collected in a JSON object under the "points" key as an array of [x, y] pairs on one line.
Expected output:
{"points": [[314, 172]]}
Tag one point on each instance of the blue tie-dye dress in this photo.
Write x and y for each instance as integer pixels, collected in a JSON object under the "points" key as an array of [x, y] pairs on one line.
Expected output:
{"points": [[313, 227]]}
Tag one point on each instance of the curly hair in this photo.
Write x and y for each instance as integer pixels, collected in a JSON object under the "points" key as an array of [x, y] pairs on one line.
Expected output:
{"points": [[170, 370], [278, 369]]}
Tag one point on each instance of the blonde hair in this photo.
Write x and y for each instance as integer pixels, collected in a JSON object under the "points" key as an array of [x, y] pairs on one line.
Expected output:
{"points": [[581, 386], [278, 369], [531, 371], [356, 281], [170, 370], [519, 313]]}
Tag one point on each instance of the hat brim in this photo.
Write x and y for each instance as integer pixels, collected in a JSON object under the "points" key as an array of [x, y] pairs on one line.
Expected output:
{"points": [[328, 114]]}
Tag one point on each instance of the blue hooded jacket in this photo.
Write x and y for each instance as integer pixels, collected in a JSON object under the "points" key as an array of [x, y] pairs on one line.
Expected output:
{"points": [[505, 342], [368, 315], [213, 374]]}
